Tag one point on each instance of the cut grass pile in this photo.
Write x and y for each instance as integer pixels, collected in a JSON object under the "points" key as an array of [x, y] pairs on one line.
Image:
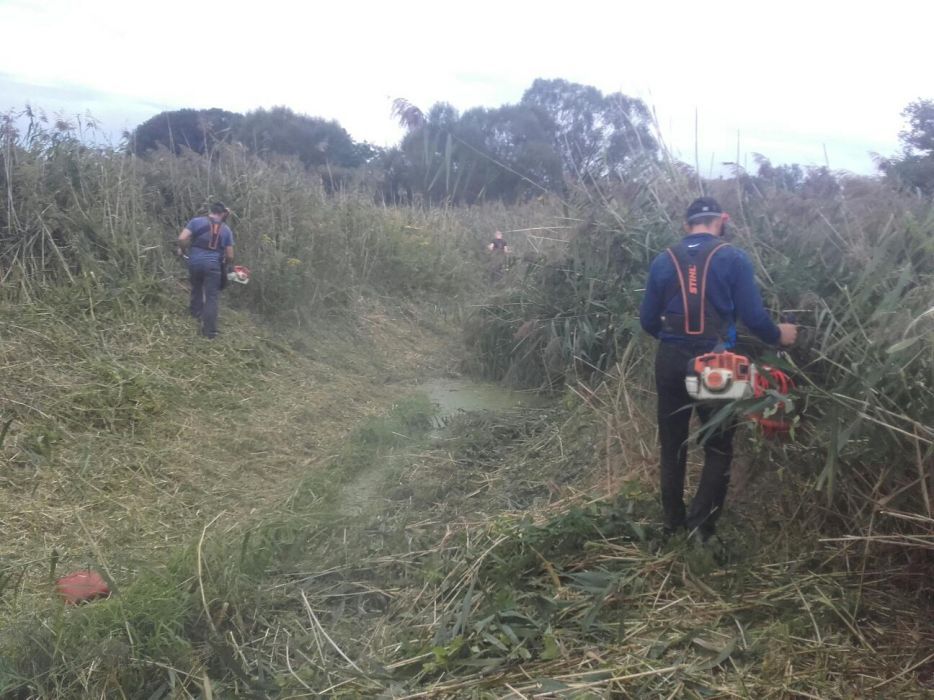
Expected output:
{"points": [[489, 570]]}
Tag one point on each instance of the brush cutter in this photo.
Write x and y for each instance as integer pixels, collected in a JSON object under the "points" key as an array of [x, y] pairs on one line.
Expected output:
{"points": [[720, 376], [239, 274], [726, 376]]}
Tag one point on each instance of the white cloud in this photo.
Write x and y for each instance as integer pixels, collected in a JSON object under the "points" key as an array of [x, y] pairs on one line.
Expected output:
{"points": [[811, 73]]}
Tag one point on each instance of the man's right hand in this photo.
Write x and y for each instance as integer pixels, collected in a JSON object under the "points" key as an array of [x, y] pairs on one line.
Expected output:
{"points": [[789, 334]]}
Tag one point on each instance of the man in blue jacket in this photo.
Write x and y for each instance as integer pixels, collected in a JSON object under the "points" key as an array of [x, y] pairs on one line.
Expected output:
{"points": [[211, 242], [695, 292]]}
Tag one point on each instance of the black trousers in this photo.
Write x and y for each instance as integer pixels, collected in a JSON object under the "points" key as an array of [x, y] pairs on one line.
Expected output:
{"points": [[675, 408]]}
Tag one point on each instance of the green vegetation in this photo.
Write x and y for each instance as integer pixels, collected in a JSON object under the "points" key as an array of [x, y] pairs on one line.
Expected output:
{"points": [[278, 131], [855, 270], [559, 131], [153, 629], [913, 168], [97, 219], [279, 512]]}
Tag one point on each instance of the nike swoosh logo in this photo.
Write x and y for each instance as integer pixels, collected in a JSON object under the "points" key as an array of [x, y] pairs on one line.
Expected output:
{"points": [[693, 245]]}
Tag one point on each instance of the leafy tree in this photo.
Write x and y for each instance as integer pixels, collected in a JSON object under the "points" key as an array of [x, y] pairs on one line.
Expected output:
{"points": [[279, 130], [197, 129], [429, 152], [809, 181], [919, 136], [314, 140], [392, 173], [595, 134], [505, 153], [367, 152], [914, 166], [559, 131], [509, 152], [784, 177]]}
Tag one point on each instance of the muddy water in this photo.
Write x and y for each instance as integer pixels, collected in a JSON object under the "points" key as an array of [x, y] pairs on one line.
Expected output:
{"points": [[455, 395]]}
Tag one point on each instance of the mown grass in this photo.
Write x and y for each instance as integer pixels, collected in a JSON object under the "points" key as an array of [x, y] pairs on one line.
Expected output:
{"points": [[568, 595], [129, 435], [491, 568], [176, 625]]}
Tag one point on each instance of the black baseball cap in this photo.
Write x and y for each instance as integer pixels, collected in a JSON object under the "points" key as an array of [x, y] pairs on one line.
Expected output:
{"points": [[702, 207], [219, 208]]}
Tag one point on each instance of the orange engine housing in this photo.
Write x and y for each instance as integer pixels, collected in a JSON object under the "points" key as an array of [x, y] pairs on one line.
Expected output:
{"points": [[726, 376], [738, 365], [720, 375]]}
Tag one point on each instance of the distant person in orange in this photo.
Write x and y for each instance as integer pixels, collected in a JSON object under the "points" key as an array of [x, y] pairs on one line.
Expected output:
{"points": [[499, 250], [499, 244]]}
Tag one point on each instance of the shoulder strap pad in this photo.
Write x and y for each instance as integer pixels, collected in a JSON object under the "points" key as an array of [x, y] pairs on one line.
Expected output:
{"points": [[212, 227], [692, 268]]}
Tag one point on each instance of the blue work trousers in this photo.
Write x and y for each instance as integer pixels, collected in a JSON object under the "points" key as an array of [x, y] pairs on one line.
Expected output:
{"points": [[205, 276]]}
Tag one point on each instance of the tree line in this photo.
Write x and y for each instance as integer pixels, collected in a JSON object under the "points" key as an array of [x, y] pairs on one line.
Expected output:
{"points": [[559, 132], [279, 130]]}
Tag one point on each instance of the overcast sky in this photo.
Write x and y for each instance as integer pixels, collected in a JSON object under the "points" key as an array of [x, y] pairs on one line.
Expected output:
{"points": [[789, 80]]}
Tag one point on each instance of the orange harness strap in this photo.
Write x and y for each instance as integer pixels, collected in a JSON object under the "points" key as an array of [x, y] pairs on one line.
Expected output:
{"points": [[692, 277]]}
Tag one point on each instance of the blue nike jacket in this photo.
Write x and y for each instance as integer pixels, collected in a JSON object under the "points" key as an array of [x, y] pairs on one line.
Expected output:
{"points": [[731, 289]]}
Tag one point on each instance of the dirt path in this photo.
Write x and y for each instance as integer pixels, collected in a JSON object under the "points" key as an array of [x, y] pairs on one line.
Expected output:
{"points": [[366, 493]]}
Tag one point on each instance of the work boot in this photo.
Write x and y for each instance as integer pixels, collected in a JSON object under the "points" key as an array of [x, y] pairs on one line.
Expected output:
{"points": [[669, 531], [710, 542], [665, 539]]}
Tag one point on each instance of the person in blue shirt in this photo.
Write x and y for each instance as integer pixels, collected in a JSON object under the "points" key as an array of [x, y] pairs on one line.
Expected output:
{"points": [[210, 242], [695, 293]]}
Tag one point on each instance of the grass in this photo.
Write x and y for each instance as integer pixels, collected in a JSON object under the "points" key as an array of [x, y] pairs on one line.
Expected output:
{"points": [[122, 451], [98, 217], [276, 521], [536, 587], [482, 572], [854, 268], [177, 621]]}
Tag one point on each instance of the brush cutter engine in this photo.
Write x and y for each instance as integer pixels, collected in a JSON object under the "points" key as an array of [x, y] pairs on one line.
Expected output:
{"points": [[725, 376], [239, 274], [720, 376]]}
